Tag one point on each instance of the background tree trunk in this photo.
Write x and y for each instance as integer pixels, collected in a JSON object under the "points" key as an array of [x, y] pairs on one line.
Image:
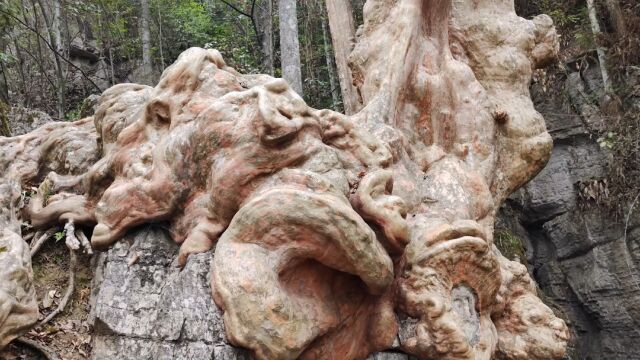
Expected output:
{"points": [[289, 45], [265, 27], [56, 26], [330, 70], [343, 36], [617, 18], [54, 36], [160, 36], [147, 70], [602, 57]]}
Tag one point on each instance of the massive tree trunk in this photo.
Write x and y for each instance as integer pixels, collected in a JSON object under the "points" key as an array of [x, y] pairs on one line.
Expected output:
{"points": [[342, 34], [289, 44], [147, 69], [264, 20]]}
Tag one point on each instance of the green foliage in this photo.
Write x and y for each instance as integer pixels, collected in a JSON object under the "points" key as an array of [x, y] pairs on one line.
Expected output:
{"points": [[74, 114], [562, 19], [563, 16], [60, 235], [509, 244], [189, 24], [6, 59], [7, 8], [607, 141], [572, 19]]}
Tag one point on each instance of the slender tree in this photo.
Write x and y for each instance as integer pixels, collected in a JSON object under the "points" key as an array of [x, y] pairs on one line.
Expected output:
{"points": [[4, 83], [330, 70], [160, 42], [53, 31], [147, 69], [289, 44], [617, 17], [601, 51], [264, 19]]}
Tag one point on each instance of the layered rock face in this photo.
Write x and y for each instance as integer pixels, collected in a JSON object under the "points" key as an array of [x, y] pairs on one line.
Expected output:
{"points": [[328, 236], [584, 258]]}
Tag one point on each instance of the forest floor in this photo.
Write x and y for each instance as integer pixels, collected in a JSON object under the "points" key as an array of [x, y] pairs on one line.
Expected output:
{"points": [[68, 335]]}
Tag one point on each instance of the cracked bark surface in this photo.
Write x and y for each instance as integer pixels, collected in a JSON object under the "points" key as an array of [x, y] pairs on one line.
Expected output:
{"points": [[328, 236]]}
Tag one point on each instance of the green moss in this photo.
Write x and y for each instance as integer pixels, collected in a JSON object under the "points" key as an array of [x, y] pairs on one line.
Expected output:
{"points": [[509, 244]]}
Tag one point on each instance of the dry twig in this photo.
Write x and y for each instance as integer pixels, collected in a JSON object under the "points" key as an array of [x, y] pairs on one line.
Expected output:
{"points": [[28, 236], [39, 241]]}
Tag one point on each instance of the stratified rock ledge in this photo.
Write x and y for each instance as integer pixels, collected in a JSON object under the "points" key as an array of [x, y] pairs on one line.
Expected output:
{"points": [[153, 310]]}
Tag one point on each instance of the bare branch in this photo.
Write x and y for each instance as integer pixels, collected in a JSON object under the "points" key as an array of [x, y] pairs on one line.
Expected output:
{"points": [[237, 9], [38, 242], [51, 48], [249, 15]]}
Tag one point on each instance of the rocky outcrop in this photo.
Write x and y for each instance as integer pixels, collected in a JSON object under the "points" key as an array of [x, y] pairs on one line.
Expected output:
{"points": [[144, 306], [584, 258], [22, 120]]}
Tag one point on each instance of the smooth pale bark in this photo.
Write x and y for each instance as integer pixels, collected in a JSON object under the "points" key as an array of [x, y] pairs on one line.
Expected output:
{"points": [[602, 57], [265, 27], [54, 41], [343, 35], [56, 26], [617, 18], [160, 36], [147, 70], [330, 70], [106, 36], [289, 44]]}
